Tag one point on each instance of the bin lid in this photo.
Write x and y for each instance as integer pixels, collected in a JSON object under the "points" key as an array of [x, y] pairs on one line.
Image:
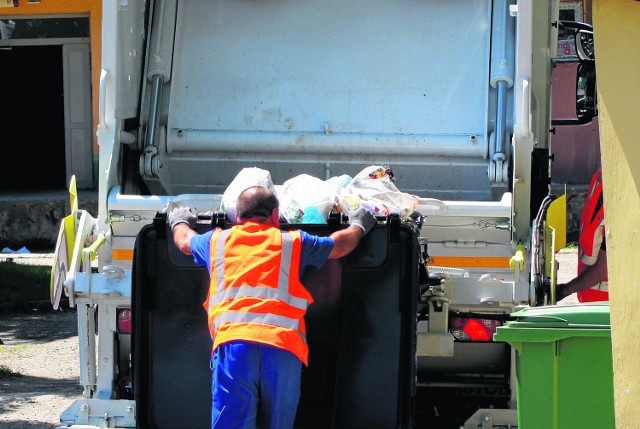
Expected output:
{"points": [[579, 316], [556, 322]]}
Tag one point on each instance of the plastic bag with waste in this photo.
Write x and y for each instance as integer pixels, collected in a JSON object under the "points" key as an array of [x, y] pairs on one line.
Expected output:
{"points": [[307, 199], [246, 178], [374, 189]]}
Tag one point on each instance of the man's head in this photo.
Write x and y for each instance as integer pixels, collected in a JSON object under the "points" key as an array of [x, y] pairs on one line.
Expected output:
{"points": [[257, 203]]}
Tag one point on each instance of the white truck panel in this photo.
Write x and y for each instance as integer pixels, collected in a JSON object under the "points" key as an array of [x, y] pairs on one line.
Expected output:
{"points": [[304, 68]]}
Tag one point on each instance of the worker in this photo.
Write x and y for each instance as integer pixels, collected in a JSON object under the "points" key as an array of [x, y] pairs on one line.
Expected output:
{"points": [[256, 305], [591, 284]]}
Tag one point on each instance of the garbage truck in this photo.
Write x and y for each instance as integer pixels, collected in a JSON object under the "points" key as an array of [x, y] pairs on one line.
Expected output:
{"points": [[453, 96]]}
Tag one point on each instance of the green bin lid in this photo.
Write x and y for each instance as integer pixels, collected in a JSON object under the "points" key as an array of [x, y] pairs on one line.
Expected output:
{"points": [[590, 315], [555, 322]]}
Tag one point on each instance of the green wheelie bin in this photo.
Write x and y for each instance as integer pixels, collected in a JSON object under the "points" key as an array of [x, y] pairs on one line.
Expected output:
{"points": [[564, 367]]}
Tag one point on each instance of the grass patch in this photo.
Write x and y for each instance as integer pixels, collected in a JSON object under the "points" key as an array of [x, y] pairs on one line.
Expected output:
{"points": [[14, 350], [21, 283], [6, 373]]}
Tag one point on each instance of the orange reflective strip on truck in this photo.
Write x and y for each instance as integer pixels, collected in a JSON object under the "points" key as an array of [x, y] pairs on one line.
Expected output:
{"points": [[122, 254], [471, 261]]}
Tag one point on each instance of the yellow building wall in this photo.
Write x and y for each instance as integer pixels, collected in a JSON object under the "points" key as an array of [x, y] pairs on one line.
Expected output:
{"points": [[90, 8], [616, 26]]}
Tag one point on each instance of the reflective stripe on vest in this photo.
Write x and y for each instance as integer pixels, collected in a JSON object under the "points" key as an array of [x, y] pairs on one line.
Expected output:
{"points": [[265, 292], [263, 318]]}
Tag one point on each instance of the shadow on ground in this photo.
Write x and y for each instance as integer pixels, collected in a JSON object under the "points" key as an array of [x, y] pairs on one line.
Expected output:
{"points": [[37, 324]]}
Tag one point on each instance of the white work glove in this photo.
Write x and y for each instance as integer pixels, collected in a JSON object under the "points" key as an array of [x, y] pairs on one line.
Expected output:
{"points": [[177, 214], [363, 218]]}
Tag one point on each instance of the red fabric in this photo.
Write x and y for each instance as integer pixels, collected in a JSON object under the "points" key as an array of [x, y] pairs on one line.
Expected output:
{"points": [[591, 235]]}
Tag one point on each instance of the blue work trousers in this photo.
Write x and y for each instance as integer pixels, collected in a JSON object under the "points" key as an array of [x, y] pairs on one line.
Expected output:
{"points": [[254, 386]]}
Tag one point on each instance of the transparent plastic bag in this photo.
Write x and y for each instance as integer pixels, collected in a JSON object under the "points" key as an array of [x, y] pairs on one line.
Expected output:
{"points": [[246, 178], [307, 199], [374, 189]]}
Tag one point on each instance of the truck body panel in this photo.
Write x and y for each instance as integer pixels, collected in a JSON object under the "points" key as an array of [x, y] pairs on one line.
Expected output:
{"points": [[301, 90]]}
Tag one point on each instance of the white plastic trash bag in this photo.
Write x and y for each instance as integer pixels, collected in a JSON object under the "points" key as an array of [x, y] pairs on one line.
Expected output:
{"points": [[246, 178], [374, 189], [307, 199]]}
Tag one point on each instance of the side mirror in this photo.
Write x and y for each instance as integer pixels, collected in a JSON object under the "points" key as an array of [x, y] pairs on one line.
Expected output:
{"points": [[584, 45], [586, 93], [586, 89], [582, 34]]}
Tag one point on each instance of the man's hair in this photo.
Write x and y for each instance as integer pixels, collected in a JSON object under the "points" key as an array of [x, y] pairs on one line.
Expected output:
{"points": [[254, 202]]}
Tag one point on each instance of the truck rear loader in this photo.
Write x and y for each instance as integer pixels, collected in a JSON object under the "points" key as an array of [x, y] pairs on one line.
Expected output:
{"points": [[453, 95]]}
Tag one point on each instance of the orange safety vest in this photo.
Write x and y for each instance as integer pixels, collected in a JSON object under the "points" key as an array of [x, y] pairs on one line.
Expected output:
{"points": [[255, 293], [591, 227]]}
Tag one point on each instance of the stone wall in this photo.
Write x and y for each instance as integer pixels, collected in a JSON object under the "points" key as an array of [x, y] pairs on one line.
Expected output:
{"points": [[32, 220]]}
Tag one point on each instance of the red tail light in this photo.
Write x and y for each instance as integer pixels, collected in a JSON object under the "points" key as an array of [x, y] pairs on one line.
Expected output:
{"points": [[473, 329], [124, 320]]}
